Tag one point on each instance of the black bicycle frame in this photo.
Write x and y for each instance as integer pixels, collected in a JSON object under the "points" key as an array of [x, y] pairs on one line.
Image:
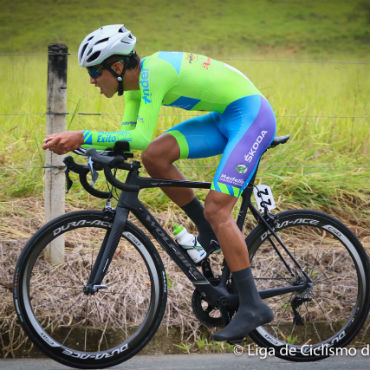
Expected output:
{"points": [[129, 202]]}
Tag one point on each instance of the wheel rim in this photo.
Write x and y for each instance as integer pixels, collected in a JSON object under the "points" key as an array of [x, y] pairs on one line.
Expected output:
{"points": [[98, 325], [326, 310]]}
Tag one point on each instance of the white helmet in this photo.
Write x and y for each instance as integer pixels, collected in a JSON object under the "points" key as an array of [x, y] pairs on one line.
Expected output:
{"points": [[105, 42]]}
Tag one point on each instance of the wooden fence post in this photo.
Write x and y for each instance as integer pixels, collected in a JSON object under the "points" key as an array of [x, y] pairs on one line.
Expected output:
{"points": [[56, 122]]}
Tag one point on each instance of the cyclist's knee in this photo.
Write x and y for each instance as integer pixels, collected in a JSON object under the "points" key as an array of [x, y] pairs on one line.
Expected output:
{"points": [[153, 157], [210, 210], [149, 156], [160, 152], [218, 208]]}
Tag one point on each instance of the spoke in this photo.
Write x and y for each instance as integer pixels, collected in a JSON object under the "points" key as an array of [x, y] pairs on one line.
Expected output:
{"points": [[105, 292], [278, 324], [79, 278], [316, 259], [335, 300], [57, 318], [292, 330], [324, 297], [330, 322], [267, 268], [86, 311], [69, 333], [103, 336], [337, 283], [117, 282], [63, 298], [325, 314], [85, 341], [313, 324], [64, 287], [98, 310], [305, 329]]}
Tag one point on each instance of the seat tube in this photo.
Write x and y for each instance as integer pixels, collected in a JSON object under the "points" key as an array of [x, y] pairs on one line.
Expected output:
{"points": [[246, 196]]}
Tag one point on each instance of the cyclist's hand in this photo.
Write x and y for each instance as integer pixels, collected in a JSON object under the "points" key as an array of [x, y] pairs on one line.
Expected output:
{"points": [[63, 142]]}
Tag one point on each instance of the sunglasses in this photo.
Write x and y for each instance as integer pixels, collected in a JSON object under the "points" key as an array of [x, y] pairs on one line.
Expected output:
{"points": [[95, 72]]}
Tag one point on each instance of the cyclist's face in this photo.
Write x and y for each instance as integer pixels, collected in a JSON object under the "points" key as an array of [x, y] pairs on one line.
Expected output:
{"points": [[106, 82]]}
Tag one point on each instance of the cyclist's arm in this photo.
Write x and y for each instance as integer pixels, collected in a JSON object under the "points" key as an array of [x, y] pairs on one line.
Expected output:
{"points": [[98, 139], [154, 83], [129, 119]]}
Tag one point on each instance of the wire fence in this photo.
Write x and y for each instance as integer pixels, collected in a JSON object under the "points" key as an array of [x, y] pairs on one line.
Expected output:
{"points": [[235, 59], [269, 167], [184, 115], [257, 60]]}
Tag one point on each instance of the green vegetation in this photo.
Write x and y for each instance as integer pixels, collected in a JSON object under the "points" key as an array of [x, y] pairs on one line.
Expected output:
{"points": [[214, 27], [281, 45], [324, 106]]}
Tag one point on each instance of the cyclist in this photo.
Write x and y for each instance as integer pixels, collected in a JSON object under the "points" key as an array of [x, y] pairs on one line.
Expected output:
{"points": [[240, 125]]}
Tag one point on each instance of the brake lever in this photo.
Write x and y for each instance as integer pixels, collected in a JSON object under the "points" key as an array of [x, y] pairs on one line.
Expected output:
{"points": [[69, 182], [94, 174]]}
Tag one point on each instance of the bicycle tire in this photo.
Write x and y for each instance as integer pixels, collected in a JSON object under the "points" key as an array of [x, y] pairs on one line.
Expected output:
{"points": [[89, 331], [334, 310]]}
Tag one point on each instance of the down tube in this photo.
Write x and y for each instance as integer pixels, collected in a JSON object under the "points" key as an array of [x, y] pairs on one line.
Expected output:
{"points": [[176, 252]]}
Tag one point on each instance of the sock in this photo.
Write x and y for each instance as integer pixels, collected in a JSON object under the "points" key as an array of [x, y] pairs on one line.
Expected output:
{"points": [[252, 311], [195, 210]]}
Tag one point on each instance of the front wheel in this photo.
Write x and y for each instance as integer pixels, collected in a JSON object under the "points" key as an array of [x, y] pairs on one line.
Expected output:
{"points": [[309, 324], [89, 330]]}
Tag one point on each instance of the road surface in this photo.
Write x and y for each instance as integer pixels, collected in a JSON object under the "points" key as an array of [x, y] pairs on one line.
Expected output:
{"points": [[204, 362]]}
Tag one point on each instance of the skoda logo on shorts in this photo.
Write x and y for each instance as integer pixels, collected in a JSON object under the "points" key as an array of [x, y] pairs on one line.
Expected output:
{"points": [[241, 168]]}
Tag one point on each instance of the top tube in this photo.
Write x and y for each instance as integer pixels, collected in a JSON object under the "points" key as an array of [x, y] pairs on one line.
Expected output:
{"points": [[108, 160]]}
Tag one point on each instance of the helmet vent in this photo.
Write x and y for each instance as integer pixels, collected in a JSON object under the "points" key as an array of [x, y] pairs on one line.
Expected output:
{"points": [[102, 40], [83, 50], [113, 39], [93, 57]]}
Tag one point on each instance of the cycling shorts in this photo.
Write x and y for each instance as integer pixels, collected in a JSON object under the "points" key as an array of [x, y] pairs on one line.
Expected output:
{"points": [[242, 133]]}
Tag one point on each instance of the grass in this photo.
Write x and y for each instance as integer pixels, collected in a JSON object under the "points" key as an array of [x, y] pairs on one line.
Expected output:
{"points": [[326, 163], [192, 336], [211, 26], [324, 106]]}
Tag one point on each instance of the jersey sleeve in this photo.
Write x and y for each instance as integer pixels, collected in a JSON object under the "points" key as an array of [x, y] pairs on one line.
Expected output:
{"points": [[132, 105], [156, 78]]}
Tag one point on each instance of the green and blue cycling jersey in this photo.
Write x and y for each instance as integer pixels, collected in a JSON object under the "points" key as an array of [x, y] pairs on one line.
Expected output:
{"points": [[199, 83]]}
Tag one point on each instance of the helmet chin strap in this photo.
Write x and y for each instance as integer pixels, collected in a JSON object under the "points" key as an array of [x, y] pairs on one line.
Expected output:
{"points": [[120, 84], [119, 77]]}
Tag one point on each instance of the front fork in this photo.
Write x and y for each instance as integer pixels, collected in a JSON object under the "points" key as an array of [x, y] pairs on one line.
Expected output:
{"points": [[106, 252]]}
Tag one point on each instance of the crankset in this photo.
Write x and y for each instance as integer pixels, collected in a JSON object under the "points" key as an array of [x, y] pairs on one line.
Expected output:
{"points": [[208, 314]]}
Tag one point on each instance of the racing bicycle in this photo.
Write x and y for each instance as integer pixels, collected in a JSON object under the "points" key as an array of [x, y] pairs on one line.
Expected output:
{"points": [[104, 301]]}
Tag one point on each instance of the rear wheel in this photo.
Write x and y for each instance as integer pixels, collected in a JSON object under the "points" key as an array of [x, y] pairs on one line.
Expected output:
{"points": [[328, 313], [89, 330]]}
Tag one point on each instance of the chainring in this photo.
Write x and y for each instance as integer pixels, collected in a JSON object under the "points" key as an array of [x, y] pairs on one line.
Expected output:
{"points": [[207, 314]]}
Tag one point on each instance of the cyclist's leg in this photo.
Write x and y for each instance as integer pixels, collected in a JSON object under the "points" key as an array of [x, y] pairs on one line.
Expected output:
{"points": [[158, 160], [249, 124], [195, 138]]}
